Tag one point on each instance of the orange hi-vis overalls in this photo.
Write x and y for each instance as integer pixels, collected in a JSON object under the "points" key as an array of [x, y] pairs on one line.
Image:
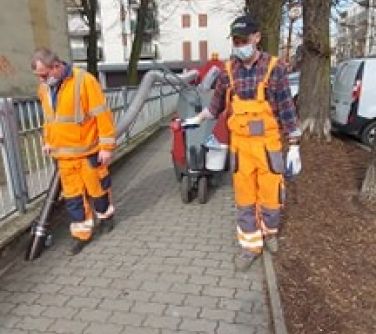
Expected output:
{"points": [[257, 163], [77, 125]]}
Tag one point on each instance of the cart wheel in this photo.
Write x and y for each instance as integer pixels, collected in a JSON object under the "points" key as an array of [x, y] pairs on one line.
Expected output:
{"points": [[48, 242], [185, 189], [215, 180], [177, 171], [202, 190]]}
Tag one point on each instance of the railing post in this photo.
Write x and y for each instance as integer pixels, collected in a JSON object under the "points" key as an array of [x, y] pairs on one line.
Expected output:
{"points": [[16, 179], [161, 103], [125, 108]]}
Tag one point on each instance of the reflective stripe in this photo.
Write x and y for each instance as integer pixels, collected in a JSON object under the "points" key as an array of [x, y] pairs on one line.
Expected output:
{"points": [[251, 245], [64, 119], [48, 118], [85, 225], [107, 140], [78, 113], [78, 116], [251, 241], [70, 119], [98, 110], [109, 213], [82, 230], [69, 150], [48, 89], [248, 236]]}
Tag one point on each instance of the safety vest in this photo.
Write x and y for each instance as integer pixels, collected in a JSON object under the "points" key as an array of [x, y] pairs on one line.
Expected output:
{"points": [[81, 123], [251, 120]]}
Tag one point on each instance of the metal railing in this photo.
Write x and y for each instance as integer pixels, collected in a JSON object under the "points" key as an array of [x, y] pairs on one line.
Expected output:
{"points": [[25, 172]]}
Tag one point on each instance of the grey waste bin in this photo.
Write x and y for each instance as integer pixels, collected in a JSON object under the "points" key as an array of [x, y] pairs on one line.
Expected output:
{"points": [[191, 101]]}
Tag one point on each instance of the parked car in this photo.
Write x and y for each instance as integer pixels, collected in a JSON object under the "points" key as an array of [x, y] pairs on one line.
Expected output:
{"points": [[294, 81], [353, 102]]}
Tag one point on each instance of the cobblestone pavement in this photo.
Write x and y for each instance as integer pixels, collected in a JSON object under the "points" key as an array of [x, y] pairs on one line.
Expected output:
{"points": [[166, 268]]}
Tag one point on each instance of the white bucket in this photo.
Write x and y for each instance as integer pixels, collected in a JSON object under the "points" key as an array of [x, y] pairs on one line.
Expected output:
{"points": [[215, 157]]}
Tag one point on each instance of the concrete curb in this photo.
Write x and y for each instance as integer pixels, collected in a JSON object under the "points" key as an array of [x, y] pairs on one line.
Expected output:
{"points": [[277, 316]]}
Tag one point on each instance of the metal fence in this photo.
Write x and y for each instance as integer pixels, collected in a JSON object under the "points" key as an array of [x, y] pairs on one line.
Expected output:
{"points": [[25, 171]]}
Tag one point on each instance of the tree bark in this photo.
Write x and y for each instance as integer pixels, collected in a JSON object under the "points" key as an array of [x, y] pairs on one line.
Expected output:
{"points": [[314, 90], [268, 15], [367, 194], [90, 9], [132, 77]]}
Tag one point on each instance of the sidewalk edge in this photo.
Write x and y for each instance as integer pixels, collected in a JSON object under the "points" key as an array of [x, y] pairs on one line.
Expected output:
{"points": [[278, 318]]}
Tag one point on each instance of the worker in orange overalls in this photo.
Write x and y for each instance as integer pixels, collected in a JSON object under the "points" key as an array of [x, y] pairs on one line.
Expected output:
{"points": [[79, 133], [254, 92]]}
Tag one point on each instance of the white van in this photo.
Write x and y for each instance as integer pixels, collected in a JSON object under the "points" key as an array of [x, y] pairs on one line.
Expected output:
{"points": [[353, 99]]}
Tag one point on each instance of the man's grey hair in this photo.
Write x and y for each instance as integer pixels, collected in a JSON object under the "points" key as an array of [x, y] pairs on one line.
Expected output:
{"points": [[45, 56]]}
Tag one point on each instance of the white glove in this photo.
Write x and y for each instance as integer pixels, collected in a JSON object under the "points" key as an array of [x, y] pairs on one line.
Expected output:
{"points": [[197, 120], [293, 162], [192, 122]]}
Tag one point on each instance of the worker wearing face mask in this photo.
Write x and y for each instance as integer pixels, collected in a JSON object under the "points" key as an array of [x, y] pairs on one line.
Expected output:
{"points": [[79, 133], [254, 92]]}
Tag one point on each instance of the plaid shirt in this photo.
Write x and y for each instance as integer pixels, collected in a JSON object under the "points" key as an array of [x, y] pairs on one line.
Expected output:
{"points": [[246, 80]]}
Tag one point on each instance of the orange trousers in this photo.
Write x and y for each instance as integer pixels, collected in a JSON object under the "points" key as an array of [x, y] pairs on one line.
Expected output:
{"points": [[83, 179], [258, 187]]}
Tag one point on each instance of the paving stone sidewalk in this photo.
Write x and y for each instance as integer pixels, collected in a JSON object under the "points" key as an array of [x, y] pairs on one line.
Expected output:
{"points": [[166, 268]]}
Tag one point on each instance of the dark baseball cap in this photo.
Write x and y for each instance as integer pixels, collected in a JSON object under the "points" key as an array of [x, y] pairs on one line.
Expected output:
{"points": [[243, 26]]}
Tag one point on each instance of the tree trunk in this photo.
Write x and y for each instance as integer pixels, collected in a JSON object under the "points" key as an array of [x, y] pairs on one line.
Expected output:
{"points": [[314, 90], [368, 191], [268, 14], [132, 77], [90, 9]]}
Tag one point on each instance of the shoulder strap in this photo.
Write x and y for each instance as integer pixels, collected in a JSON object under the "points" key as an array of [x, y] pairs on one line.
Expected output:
{"points": [[272, 63], [230, 89], [264, 83], [228, 67], [78, 113]]}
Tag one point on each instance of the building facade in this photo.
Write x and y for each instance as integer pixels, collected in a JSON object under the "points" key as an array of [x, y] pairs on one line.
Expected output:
{"points": [[191, 30], [188, 31]]}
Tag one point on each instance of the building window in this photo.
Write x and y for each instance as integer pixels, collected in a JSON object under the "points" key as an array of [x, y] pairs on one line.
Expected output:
{"points": [[185, 20], [203, 47], [202, 20], [187, 53]]}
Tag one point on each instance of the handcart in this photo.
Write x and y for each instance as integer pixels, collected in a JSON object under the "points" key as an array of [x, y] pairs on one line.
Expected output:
{"points": [[197, 157]]}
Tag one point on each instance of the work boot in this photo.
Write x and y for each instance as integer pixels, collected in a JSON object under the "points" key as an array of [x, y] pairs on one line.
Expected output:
{"points": [[77, 246], [244, 260], [106, 219], [106, 225], [271, 244]]}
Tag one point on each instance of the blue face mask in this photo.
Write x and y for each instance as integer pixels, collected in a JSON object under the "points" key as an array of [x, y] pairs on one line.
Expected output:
{"points": [[244, 52]]}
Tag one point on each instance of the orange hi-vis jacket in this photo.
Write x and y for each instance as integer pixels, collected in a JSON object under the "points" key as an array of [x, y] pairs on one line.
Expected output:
{"points": [[81, 123]]}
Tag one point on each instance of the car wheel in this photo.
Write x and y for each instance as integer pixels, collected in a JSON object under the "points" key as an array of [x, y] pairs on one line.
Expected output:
{"points": [[368, 134]]}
